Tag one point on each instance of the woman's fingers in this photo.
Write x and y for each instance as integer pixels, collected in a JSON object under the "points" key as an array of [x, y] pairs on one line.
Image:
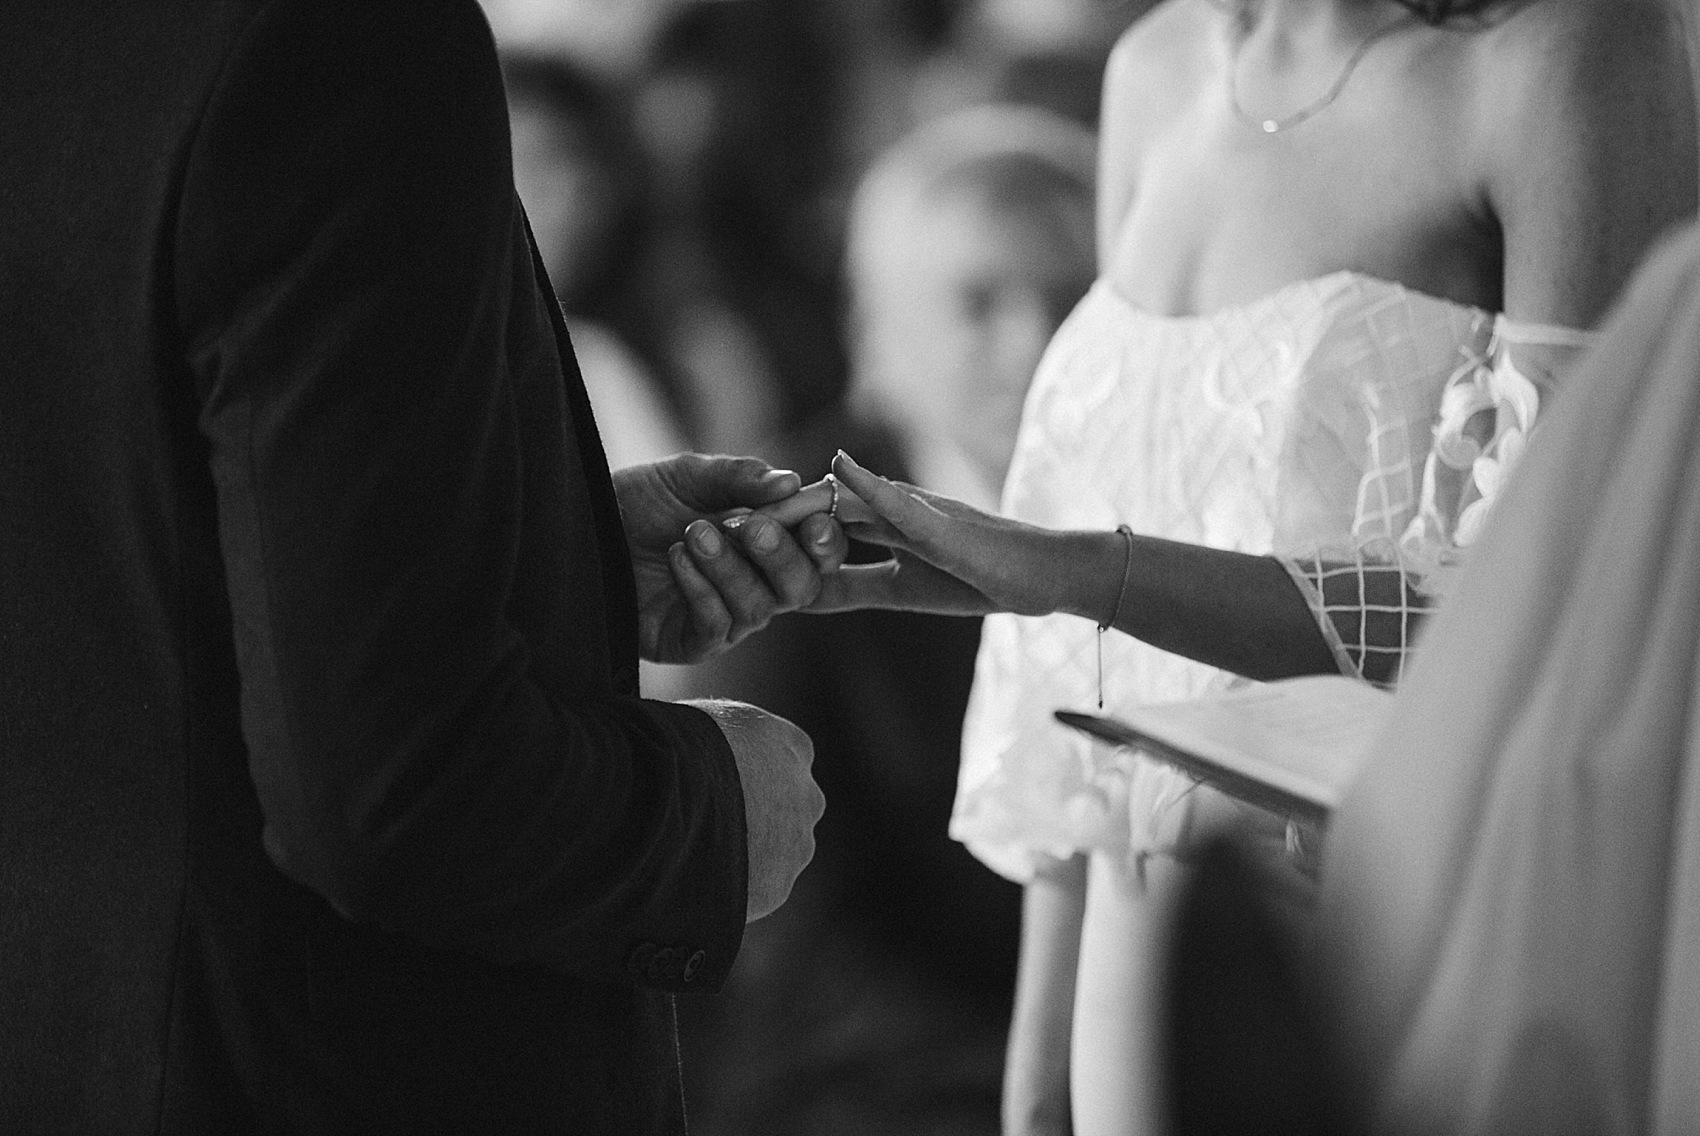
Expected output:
{"points": [[807, 501], [883, 500], [819, 515], [852, 588], [852, 510], [825, 504], [903, 583], [820, 497]]}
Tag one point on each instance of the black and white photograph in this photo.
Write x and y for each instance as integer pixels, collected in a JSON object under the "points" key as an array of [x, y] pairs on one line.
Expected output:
{"points": [[850, 568]]}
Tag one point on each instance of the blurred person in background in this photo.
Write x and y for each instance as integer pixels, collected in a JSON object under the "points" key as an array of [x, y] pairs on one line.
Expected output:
{"points": [[737, 113], [609, 38], [968, 243], [909, 61], [1048, 53], [581, 174], [579, 171], [881, 43], [879, 1000]]}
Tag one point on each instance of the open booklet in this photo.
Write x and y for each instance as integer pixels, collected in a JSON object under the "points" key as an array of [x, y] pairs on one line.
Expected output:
{"points": [[1291, 746]]}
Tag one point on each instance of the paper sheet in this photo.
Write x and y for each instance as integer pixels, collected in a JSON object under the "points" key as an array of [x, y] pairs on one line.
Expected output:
{"points": [[1294, 744]]}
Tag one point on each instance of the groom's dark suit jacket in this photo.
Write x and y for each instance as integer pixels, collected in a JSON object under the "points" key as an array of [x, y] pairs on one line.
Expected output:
{"points": [[327, 802]]}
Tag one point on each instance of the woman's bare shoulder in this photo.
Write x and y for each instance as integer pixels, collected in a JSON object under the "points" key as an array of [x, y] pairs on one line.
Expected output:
{"points": [[1569, 86], [1155, 71], [1586, 57], [1547, 23], [1585, 127], [1163, 57], [1172, 36]]}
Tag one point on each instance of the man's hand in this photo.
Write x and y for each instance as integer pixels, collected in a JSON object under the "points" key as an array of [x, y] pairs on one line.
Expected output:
{"points": [[708, 570], [782, 803]]}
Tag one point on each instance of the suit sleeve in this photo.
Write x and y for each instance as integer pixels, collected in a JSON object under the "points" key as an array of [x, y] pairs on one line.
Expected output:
{"points": [[350, 268]]}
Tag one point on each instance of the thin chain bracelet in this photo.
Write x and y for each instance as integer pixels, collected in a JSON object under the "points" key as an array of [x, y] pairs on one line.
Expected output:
{"points": [[1121, 594]]}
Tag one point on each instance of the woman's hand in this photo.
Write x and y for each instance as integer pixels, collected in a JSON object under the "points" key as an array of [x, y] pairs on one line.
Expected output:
{"points": [[949, 558]]}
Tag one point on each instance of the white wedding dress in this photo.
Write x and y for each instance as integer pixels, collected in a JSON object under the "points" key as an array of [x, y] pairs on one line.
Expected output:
{"points": [[1340, 423]]}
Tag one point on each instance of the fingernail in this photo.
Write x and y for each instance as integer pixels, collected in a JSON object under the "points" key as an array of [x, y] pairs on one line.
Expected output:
{"points": [[707, 540], [763, 537], [775, 476], [848, 460]]}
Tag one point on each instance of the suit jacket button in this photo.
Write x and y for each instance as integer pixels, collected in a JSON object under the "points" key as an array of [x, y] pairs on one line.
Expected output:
{"points": [[694, 964]]}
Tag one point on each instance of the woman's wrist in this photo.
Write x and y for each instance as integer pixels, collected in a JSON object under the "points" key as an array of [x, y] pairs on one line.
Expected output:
{"points": [[1092, 573]]}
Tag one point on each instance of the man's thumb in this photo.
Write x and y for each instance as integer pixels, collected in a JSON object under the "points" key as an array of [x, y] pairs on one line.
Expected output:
{"points": [[767, 485]]}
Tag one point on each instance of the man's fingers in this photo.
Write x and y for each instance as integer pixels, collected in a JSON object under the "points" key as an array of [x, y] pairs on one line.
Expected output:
{"points": [[806, 502], [741, 587], [790, 572], [715, 483], [708, 614], [764, 485]]}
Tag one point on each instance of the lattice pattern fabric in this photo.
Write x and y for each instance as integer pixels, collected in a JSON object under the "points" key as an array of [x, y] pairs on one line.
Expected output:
{"points": [[1301, 425], [1369, 594], [1367, 605]]}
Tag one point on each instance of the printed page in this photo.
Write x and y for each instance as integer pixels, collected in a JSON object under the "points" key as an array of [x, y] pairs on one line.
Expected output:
{"points": [[1294, 745]]}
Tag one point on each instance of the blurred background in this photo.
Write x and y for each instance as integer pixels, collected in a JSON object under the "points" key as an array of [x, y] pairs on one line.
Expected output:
{"points": [[779, 227]]}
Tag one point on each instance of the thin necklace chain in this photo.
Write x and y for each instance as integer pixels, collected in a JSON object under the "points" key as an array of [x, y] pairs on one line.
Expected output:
{"points": [[1311, 110]]}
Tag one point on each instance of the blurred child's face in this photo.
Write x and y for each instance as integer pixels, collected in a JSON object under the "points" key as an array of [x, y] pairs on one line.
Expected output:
{"points": [[972, 303]]}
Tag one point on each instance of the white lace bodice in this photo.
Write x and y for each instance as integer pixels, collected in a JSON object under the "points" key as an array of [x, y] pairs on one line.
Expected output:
{"points": [[1303, 424]]}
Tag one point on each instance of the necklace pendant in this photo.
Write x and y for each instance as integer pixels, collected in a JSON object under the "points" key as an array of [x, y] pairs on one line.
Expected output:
{"points": [[1310, 110]]}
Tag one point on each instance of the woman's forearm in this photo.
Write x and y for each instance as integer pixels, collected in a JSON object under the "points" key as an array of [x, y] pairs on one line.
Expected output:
{"points": [[1231, 610], [1240, 612]]}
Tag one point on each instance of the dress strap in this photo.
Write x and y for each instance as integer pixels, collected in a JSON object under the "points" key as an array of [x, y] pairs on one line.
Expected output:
{"points": [[1540, 334]]}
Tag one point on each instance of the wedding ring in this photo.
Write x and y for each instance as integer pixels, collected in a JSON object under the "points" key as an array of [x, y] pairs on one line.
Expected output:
{"points": [[832, 509]]}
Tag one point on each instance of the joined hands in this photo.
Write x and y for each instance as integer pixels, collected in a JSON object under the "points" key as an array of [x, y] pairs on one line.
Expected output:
{"points": [[720, 545], [948, 558]]}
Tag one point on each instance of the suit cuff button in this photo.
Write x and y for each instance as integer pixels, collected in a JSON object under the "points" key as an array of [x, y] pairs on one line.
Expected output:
{"points": [[694, 964]]}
